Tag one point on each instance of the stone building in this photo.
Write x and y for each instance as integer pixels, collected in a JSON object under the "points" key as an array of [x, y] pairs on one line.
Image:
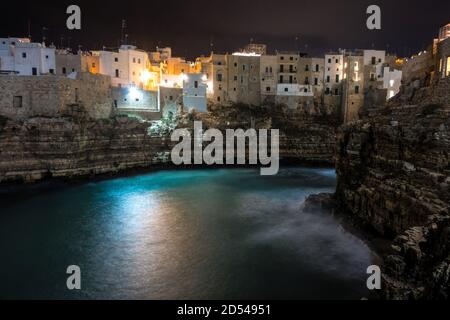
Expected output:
{"points": [[170, 101], [67, 62], [353, 87], [333, 73], [215, 68], [244, 84], [444, 32], [55, 96], [287, 67], [311, 73], [269, 76], [443, 58]]}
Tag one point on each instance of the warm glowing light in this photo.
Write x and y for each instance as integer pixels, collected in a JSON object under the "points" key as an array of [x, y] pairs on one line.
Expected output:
{"points": [[145, 77], [391, 83], [204, 78]]}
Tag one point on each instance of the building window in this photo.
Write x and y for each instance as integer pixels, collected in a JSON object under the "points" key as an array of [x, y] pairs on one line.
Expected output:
{"points": [[337, 78], [316, 81], [17, 101], [374, 60], [267, 89], [282, 68], [317, 68], [139, 61], [356, 89], [291, 68], [235, 78], [372, 77], [34, 71], [116, 59], [115, 103], [24, 55], [235, 64], [218, 99], [46, 57], [134, 60], [336, 92], [329, 60], [117, 73], [243, 67], [337, 60], [306, 80], [51, 71], [307, 68], [328, 79], [64, 70], [219, 77], [170, 98], [447, 73], [305, 90], [196, 84], [286, 89], [327, 91], [76, 94]]}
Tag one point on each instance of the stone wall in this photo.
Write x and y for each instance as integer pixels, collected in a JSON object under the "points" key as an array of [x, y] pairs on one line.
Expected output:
{"points": [[125, 98], [22, 97]]}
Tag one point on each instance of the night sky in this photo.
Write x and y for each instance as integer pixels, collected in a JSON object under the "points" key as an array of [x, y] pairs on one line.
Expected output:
{"points": [[189, 26]]}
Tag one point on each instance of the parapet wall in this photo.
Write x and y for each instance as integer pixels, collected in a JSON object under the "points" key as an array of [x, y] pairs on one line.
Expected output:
{"points": [[23, 97]]}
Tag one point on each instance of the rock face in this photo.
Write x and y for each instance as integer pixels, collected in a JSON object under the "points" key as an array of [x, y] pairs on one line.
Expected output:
{"points": [[306, 136], [38, 148], [393, 172], [77, 145]]}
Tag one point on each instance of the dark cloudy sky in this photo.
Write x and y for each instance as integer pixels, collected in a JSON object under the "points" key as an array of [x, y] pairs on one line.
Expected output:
{"points": [[188, 26]]}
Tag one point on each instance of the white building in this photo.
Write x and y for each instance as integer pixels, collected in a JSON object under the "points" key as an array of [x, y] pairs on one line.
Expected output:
{"points": [[392, 81], [126, 67], [194, 92], [22, 57]]}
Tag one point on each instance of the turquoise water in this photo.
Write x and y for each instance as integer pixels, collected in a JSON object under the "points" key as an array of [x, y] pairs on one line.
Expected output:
{"points": [[196, 234]]}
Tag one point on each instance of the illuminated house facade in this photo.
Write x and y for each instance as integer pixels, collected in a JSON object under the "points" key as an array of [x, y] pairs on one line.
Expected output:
{"points": [[127, 67], [22, 57]]}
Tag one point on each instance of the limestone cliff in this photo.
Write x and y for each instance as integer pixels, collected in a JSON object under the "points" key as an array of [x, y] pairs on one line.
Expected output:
{"points": [[394, 175], [77, 145], [38, 148]]}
